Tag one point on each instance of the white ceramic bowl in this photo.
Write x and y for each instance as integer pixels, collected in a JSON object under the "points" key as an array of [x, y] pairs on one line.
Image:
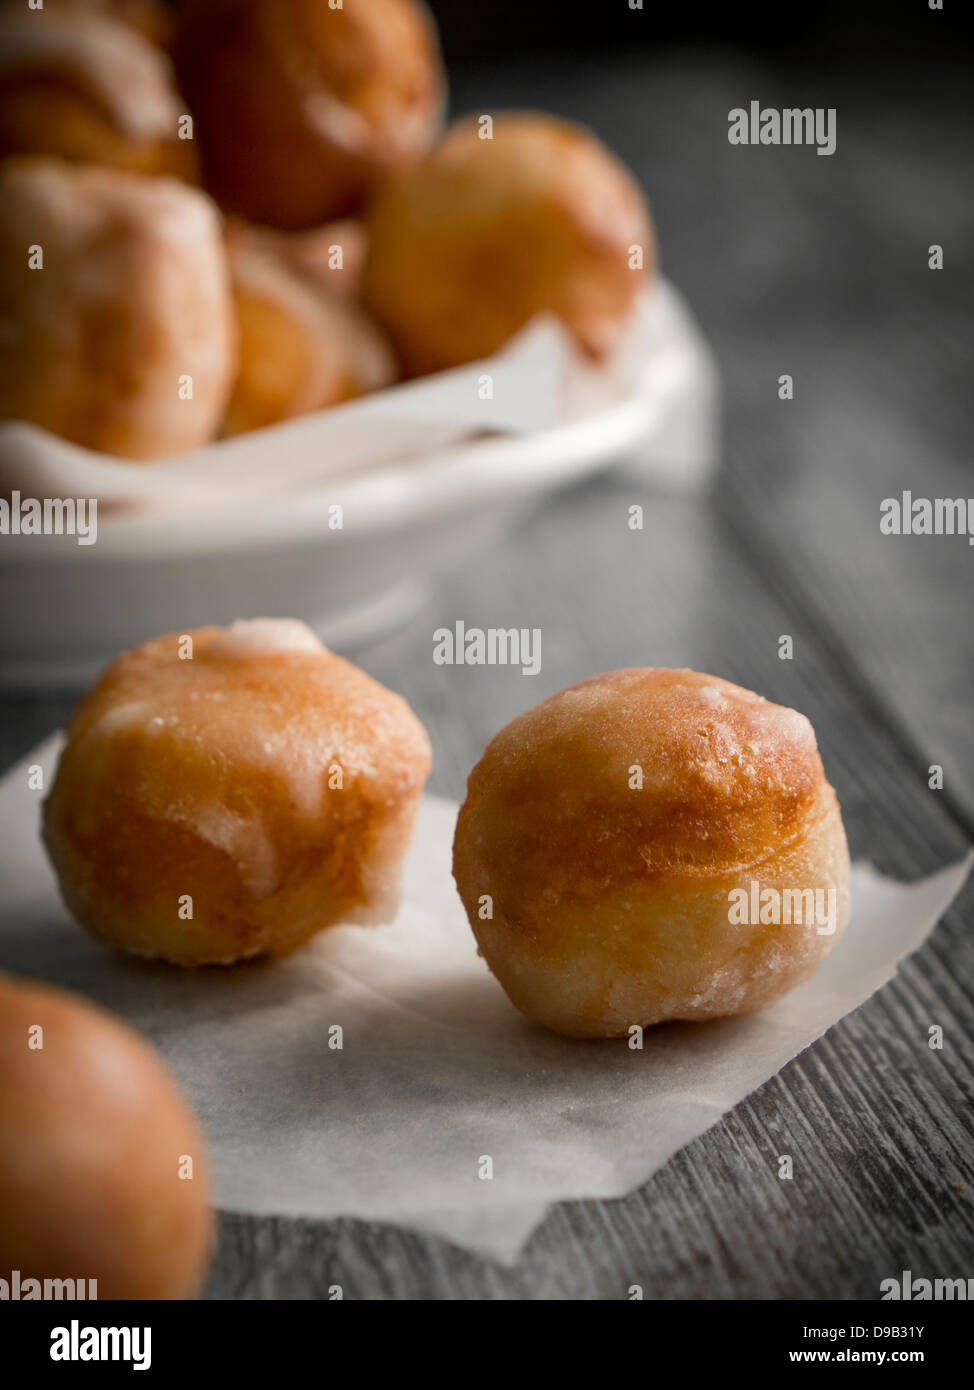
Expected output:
{"points": [[66, 609]]}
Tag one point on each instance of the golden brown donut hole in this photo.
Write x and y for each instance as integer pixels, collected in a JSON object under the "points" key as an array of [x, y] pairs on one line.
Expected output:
{"points": [[124, 339], [237, 801], [607, 829], [303, 347], [301, 107], [78, 84], [467, 247], [103, 1172]]}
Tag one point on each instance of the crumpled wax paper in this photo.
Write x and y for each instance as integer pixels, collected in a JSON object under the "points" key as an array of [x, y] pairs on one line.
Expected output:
{"points": [[539, 383], [436, 1070]]}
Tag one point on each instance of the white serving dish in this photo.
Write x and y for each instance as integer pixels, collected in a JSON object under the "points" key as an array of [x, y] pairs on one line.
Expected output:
{"points": [[66, 609]]}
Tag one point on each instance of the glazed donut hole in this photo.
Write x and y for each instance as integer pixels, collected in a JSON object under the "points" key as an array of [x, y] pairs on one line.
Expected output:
{"points": [[78, 83], [301, 107], [103, 1171], [230, 792], [133, 298], [616, 832], [302, 347], [468, 246]]}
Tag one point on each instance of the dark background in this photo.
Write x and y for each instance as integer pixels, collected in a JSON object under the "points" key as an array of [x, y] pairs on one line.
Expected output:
{"points": [[845, 32]]}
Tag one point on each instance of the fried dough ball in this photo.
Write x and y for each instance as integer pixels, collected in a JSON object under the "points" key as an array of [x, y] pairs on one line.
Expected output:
{"points": [[301, 348], [301, 107], [216, 806], [468, 246], [103, 1173], [88, 88], [115, 304], [615, 832]]}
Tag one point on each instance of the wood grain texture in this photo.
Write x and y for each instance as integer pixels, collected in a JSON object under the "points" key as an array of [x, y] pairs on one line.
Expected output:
{"points": [[815, 267]]}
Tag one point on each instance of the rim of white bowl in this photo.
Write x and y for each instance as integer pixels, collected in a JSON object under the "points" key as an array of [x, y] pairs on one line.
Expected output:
{"points": [[387, 500]]}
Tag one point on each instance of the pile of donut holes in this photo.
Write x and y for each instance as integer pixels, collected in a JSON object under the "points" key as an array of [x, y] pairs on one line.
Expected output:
{"points": [[226, 214]]}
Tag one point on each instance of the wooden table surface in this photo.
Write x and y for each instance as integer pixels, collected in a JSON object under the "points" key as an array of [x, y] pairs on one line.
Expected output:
{"points": [[816, 267]]}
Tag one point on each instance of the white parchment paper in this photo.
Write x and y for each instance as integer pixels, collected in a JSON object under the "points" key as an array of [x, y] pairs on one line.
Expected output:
{"points": [[658, 387], [436, 1070]]}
